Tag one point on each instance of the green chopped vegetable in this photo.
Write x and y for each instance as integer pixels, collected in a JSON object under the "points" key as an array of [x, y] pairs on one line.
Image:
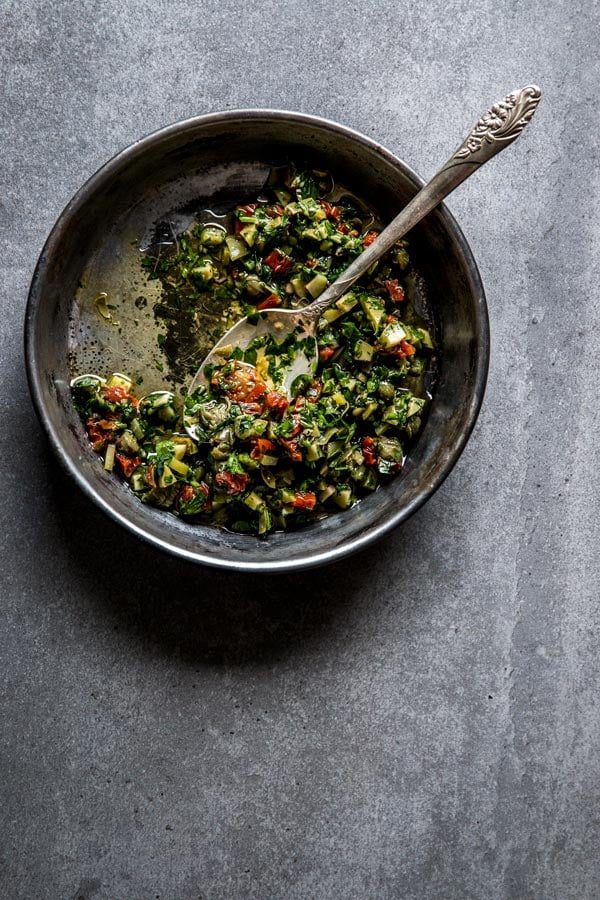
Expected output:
{"points": [[261, 460]]}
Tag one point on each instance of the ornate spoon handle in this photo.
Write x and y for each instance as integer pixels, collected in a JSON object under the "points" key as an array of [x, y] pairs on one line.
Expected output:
{"points": [[496, 129]]}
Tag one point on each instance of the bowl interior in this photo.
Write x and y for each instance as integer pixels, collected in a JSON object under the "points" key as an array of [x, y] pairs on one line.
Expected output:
{"points": [[166, 178]]}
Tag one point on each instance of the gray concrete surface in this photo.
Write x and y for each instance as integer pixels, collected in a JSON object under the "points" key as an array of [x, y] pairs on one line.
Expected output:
{"points": [[422, 720]]}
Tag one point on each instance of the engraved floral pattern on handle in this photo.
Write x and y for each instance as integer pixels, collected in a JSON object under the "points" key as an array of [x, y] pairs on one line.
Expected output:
{"points": [[500, 125]]}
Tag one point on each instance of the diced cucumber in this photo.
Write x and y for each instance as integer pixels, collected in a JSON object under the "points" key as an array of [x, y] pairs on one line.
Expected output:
{"points": [[327, 492], [127, 442], [370, 480], [249, 233], [287, 496], [392, 334], [426, 339], [369, 409], [316, 286], [363, 352], [283, 196], [167, 478], [299, 287], [413, 426], [374, 309], [359, 474], [331, 314], [158, 399], [109, 458], [392, 415], [212, 235], [137, 429], [254, 501], [402, 258], [312, 453], [343, 497], [237, 249], [137, 482], [347, 302], [118, 380], [386, 390], [415, 405], [167, 414], [265, 519], [180, 450], [205, 271], [390, 448], [310, 234], [178, 466]]}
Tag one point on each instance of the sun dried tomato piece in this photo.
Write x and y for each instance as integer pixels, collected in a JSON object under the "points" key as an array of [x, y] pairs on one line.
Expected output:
{"points": [[368, 451], [395, 290], [276, 401], [231, 483], [269, 302], [369, 238], [278, 262], [304, 500], [127, 464]]}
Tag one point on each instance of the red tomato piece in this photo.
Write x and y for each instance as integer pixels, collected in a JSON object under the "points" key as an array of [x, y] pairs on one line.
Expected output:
{"points": [[276, 401], [96, 435], [343, 228], [368, 451], [127, 464], [241, 384], [269, 302], [304, 500], [332, 212], [114, 394], [292, 448], [395, 290], [297, 425], [100, 431], [230, 483], [278, 262], [261, 446], [117, 394], [407, 348], [314, 391], [188, 493], [369, 238], [326, 353]]}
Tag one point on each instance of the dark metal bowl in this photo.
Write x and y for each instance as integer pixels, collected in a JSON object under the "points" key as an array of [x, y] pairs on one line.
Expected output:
{"points": [[186, 165]]}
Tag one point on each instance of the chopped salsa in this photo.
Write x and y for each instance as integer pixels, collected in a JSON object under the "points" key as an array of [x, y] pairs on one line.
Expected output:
{"points": [[260, 459]]}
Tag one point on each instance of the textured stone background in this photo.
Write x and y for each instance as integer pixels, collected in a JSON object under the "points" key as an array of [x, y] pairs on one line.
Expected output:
{"points": [[422, 720]]}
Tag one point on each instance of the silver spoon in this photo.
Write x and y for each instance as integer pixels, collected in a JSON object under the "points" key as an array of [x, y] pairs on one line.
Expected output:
{"points": [[494, 131]]}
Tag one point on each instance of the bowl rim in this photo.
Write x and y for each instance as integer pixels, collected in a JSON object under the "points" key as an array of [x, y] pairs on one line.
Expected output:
{"points": [[103, 175]]}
